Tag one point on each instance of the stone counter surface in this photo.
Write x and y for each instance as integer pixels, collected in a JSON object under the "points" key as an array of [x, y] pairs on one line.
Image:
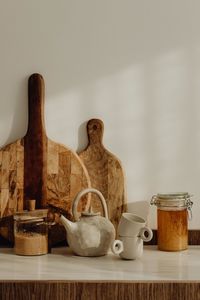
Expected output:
{"points": [[156, 273]]}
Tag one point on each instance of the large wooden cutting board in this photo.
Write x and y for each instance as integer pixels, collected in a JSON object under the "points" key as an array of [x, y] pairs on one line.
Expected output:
{"points": [[105, 171], [36, 167]]}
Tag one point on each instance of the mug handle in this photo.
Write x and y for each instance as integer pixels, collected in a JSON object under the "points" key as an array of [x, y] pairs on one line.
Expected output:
{"points": [[146, 238], [117, 247]]}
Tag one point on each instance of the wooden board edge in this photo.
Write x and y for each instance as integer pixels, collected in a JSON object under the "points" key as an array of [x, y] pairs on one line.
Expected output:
{"points": [[193, 237]]}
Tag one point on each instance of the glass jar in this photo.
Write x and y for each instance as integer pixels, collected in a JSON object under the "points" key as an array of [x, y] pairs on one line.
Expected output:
{"points": [[31, 233], [173, 212]]}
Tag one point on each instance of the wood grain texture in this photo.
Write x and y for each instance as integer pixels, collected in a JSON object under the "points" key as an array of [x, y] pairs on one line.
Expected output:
{"points": [[35, 145], [105, 171], [12, 180], [36, 167], [99, 290]]}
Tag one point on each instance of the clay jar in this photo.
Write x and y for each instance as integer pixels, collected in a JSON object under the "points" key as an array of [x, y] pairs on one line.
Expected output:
{"points": [[31, 233]]}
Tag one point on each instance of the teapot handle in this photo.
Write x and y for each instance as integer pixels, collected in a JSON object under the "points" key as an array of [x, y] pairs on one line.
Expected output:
{"points": [[83, 193]]}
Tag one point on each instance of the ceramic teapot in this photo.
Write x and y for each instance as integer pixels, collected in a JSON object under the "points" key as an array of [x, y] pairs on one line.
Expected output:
{"points": [[92, 234]]}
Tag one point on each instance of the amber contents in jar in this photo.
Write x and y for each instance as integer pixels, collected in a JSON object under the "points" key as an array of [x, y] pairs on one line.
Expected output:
{"points": [[31, 232], [29, 243], [172, 229]]}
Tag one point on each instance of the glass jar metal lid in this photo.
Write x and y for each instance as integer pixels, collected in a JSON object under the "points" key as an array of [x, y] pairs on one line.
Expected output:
{"points": [[172, 200]]}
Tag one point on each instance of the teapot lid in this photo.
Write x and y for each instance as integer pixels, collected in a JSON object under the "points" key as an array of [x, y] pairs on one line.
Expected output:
{"points": [[90, 213], [30, 215]]}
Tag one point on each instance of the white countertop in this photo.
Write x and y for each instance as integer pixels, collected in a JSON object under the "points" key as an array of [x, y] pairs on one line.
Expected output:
{"points": [[61, 264]]}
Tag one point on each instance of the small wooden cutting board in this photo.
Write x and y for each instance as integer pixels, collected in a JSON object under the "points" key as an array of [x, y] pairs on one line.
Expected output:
{"points": [[105, 171], [36, 167]]}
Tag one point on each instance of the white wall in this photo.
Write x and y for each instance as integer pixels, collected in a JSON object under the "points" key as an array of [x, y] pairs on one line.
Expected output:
{"points": [[134, 64]]}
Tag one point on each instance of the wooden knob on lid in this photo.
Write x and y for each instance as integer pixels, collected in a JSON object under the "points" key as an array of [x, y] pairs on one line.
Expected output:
{"points": [[31, 204]]}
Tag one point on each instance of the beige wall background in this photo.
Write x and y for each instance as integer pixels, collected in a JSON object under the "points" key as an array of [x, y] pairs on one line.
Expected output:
{"points": [[134, 64]]}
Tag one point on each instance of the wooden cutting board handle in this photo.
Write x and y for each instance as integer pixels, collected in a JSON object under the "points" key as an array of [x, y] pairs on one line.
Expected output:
{"points": [[36, 93], [35, 144], [95, 129], [105, 171]]}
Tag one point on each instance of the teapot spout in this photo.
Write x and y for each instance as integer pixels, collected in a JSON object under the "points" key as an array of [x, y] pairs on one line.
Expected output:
{"points": [[69, 226]]}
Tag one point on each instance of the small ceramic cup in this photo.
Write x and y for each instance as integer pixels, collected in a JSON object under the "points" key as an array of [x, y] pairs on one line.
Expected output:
{"points": [[131, 225], [128, 247]]}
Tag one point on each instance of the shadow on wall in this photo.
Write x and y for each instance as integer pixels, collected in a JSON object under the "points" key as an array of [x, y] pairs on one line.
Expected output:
{"points": [[140, 208], [82, 137], [133, 64], [19, 115], [89, 42]]}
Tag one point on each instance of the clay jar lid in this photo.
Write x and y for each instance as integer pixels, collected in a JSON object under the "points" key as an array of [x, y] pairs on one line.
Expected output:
{"points": [[31, 215]]}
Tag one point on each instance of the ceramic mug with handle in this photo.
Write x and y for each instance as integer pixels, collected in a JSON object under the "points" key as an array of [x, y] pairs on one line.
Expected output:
{"points": [[128, 247], [131, 225]]}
